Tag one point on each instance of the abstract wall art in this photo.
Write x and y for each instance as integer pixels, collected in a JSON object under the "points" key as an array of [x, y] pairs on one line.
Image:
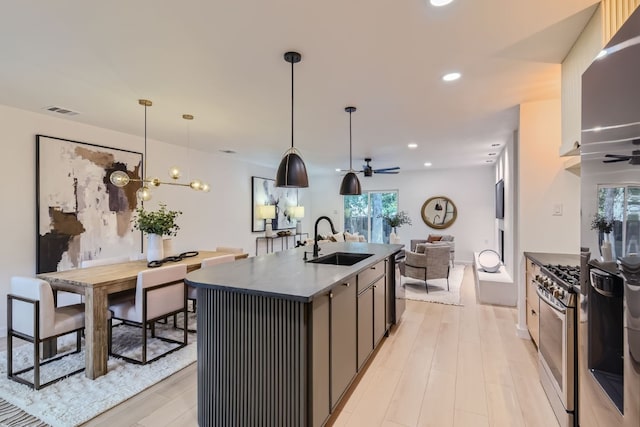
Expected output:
{"points": [[80, 214], [265, 192]]}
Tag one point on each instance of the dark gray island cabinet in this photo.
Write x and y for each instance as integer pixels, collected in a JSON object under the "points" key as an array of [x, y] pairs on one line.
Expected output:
{"points": [[280, 340]]}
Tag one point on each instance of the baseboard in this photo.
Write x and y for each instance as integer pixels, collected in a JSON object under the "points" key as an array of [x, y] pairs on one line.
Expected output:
{"points": [[522, 332]]}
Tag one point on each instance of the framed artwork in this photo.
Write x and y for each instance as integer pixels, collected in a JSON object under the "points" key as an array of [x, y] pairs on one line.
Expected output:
{"points": [[80, 215], [265, 192]]}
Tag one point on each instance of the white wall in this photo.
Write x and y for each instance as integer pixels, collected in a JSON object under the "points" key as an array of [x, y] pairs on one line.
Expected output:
{"points": [[543, 185], [471, 189], [505, 169], [219, 218]]}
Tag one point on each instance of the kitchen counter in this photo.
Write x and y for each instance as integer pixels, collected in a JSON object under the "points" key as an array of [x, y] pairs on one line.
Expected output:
{"points": [[281, 340], [542, 258], [285, 275]]}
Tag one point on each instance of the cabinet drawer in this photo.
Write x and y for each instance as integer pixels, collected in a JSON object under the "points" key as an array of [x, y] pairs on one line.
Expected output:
{"points": [[369, 275]]}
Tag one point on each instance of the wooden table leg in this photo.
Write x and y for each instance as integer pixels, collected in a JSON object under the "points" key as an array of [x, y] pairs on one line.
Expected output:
{"points": [[96, 334]]}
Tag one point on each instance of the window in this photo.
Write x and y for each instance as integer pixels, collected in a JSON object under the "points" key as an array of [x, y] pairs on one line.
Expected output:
{"points": [[363, 214], [622, 204]]}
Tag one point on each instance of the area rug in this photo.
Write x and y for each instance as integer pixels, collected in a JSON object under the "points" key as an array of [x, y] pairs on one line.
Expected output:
{"points": [[77, 399], [416, 290]]}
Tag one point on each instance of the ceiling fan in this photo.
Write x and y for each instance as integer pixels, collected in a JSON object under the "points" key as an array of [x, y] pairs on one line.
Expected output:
{"points": [[634, 158], [369, 171]]}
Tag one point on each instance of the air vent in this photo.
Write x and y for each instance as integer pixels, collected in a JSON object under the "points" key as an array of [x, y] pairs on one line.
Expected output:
{"points": [[61, 110]]}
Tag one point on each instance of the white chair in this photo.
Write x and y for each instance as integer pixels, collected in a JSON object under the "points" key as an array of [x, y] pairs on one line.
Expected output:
{"points": [[104, 261], [160, 293], [229, 249], [68, 298], [33, 316], [192, 292]]}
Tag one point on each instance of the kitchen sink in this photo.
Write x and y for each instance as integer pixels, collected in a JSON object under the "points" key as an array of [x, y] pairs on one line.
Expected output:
{"points": [[341, 258]]}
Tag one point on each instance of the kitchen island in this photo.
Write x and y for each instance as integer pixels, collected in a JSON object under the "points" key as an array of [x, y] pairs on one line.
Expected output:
{"points": [[280, 339]]}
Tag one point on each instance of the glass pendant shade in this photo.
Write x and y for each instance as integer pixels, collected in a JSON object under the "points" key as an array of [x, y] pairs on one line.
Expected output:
{"points": [[350, 185], [144, 193], [292, 171], [119, 178]]}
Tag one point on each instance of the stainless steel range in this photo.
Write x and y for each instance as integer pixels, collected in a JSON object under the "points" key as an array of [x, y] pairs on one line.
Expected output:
{"points": [[557, 342]]}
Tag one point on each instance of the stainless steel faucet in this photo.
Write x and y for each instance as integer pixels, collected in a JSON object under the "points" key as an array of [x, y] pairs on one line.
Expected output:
{"points": [[316, 248]]}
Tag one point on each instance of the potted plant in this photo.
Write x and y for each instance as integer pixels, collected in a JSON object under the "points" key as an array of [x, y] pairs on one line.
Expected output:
{"points": [[604, 227], [395, 221], [156, 224]]}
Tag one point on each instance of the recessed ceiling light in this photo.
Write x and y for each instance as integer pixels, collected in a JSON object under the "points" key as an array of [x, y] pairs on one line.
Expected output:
{"points": [[412, 145], [492, 154], [439, 3], [451, 77], [427, 164], [338, 170], [495, 145]]}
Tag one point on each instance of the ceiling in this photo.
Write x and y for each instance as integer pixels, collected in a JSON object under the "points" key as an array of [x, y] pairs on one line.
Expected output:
{"points": [[222, 61]]}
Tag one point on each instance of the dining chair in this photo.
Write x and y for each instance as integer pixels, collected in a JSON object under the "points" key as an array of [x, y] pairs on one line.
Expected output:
{"points": [[192, 292], [229, 249], [160, 293], [33, 317], [104, 261]]}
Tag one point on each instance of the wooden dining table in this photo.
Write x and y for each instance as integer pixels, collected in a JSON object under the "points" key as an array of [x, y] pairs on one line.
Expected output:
{"points": [[96, 284]]}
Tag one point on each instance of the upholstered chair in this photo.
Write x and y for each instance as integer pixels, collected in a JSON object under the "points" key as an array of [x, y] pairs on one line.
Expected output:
{"points": [[438, 240], [104, 261], [33, 316], [192, 292], [160, 293], [433, 263], [229, 250]]}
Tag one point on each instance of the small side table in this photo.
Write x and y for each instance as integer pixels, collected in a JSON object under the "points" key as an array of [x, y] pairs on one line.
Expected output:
{"points": [[271, 239], [295, 237]]}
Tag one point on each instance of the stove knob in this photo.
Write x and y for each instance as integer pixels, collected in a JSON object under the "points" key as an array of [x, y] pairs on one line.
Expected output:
{"points": [[556, 293], [561, 294]]}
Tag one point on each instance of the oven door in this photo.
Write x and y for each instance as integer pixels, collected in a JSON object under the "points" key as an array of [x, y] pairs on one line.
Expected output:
{"points": [[556, 348]]}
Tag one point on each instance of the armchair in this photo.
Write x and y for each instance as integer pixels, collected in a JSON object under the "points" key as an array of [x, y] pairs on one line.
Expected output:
{"points": [[432, 264], [443, 240]]}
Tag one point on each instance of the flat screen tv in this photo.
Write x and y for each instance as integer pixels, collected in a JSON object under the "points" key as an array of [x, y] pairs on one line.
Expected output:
{"points": [[500, 199]]}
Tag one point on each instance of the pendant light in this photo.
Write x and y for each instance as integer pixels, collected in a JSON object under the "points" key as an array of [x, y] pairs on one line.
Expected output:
{"points": [[292, 172], [121, 179], [350, 184]]}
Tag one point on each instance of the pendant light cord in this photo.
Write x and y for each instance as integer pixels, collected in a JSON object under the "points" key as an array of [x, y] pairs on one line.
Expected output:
{"points": [[144, 171], [350, 155], [292, 105]]}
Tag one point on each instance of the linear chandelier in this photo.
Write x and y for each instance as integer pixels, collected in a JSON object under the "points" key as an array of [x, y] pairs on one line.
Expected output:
{"points": [[121, 178]]}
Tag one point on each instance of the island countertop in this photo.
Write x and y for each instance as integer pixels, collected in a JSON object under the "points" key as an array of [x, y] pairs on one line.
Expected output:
{"points": [[286, 275]]}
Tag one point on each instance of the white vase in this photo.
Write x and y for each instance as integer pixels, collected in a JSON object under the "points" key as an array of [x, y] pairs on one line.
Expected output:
{"points": [[605, 249], [393, 238], [154, 247], [167, 247]]}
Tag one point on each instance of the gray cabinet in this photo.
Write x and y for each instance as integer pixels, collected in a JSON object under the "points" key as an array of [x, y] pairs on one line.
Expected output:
{"points": [[379, 290], [320, 395], [365, 325], [343, 339]]}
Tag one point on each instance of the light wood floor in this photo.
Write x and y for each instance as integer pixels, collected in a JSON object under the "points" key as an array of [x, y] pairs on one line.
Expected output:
{"points": [[442, 366]]}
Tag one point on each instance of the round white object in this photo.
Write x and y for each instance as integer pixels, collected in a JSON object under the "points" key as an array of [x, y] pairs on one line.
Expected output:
{"points": [[489, 260]]}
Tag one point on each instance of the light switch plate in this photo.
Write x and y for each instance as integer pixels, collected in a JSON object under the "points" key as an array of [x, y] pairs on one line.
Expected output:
{"points": [[557, 209]]}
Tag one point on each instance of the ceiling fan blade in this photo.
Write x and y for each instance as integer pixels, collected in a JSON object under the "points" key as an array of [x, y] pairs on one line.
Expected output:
{"points": [[387, 172], [618, 156], [622, 159], [387, 169]]}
